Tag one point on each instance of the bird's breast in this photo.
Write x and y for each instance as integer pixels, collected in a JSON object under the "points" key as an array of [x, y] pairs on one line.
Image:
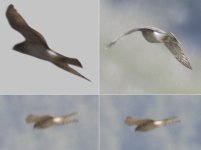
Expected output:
{"points": [[153, 37], [158, 123], [58, 119]]}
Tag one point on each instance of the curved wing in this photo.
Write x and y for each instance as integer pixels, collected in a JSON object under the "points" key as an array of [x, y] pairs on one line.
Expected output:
{"points": [[18, 23], [36, 118], [131, 31], [121, 36], [175, 48]]}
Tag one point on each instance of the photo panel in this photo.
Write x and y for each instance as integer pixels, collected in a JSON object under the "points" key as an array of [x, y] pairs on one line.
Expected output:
{"points": [[150, 122], [61, 52], [150, 47], [49, 122]]}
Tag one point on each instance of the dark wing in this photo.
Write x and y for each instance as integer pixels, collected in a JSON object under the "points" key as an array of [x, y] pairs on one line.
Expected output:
{"points": [[36, 118], [44, 123], [133, 121], [175, 48], [121, 36], [18, 23], [71, 70]]}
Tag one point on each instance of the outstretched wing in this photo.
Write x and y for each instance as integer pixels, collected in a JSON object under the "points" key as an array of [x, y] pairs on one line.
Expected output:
{"points": [[121, 36], [71, 70], [131, 31], [36, 118], [18, 23], [175, 48], [72, 114], [69, 118], [170, 120], [66, 119], [133, 121]]}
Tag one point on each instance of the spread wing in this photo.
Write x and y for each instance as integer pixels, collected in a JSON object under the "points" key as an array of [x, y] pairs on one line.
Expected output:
{"points": [[131, 31], [175, 48], [170, 120], [18, 23], [121, 36], [72, 114], [69, 118], [66, 67], [36, 118], [45, 123], [133, 121]]}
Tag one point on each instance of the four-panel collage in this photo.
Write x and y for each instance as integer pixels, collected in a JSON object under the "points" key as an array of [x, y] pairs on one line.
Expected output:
{"points": [[100, 75]]}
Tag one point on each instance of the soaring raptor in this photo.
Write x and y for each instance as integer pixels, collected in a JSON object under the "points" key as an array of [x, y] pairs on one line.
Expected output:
{"points": [[36, 45], [149, 124], [155, 35], [46, 121]]}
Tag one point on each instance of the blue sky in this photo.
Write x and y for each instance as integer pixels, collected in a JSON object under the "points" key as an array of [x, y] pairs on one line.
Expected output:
{"points": [[115, 135], [16, 134]]}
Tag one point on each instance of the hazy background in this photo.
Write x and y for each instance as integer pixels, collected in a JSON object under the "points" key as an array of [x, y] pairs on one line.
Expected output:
{"points": [[115, 135], [70, 28], [135, 66], [17, 135]]}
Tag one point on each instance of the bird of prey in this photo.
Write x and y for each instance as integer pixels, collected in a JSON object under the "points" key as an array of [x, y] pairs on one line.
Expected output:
{"points": [[155, 35], [149, 124], [46, 121], [36, 45]]}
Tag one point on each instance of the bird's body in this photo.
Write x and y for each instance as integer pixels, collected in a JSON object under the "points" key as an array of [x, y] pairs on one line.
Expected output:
{"points": [[155, 35], [149, 124], [46, 121], [35, 44]]}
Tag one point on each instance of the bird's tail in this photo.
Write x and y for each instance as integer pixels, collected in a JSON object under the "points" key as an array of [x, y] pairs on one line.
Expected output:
{"points": [[66, 67]]}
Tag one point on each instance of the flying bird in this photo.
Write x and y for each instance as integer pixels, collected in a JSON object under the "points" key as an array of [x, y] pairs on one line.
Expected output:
{"points": [[46, 121], [155, 35], [36, 45], [149, 124]]}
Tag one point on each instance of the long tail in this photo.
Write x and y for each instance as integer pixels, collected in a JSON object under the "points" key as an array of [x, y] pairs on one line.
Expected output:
{"points": [[66, 67]]}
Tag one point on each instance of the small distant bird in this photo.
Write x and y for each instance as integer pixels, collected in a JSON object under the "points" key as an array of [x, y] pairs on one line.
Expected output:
{"points": [[46, 121], [36, 45], [155, 35], [149, 124]]}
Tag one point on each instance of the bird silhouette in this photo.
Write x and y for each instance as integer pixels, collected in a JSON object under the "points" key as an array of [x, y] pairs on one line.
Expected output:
{"points": [[46, 121], [36, 45], [149, 124], [155, 35]]}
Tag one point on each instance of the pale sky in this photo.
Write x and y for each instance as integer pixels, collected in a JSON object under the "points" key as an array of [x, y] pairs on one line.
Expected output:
{"points": [[115, 135], [17, 135], [70, 28]]}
